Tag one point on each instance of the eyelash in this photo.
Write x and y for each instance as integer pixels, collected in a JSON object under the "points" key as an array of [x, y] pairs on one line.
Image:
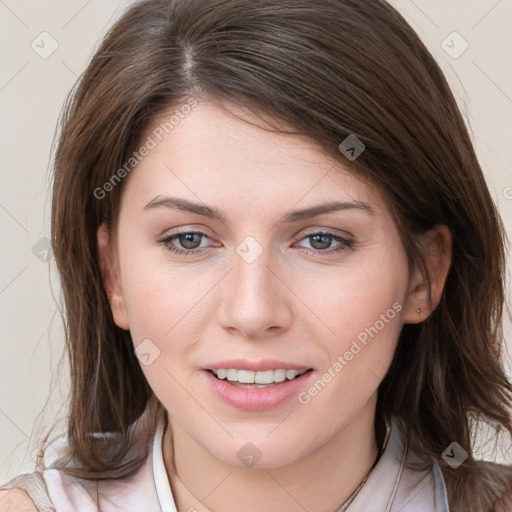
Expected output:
{"points": [[345, 244]]}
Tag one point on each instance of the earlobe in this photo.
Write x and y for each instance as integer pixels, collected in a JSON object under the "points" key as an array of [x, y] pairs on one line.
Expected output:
{"points": [[111, 280], [423, 297]]}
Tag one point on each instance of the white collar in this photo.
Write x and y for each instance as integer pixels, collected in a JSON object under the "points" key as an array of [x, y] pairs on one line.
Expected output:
{"points": [[163, 487], [390, 484]]}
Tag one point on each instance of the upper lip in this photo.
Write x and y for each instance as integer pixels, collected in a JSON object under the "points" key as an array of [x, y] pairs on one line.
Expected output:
{"points": [[256, 366]]}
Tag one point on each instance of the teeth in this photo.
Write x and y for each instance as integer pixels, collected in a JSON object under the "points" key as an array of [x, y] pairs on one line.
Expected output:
{"points": [[266, 377], [222, 373], [249, 377], [232, 374], [279, 375]]}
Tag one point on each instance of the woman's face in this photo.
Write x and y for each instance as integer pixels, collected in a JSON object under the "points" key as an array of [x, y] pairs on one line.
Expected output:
{"points": [[242, 249]]}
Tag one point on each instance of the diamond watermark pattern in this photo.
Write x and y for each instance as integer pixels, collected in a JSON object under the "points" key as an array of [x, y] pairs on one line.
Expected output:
{"points": [[249, 249], [44, 45], [352, 147], [249, 455], [454, 455], [147, 352], [454, 45], [42, 250]]}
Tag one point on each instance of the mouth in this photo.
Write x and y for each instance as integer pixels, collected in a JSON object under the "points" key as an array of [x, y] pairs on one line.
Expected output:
{"points": [[257, 379], [256, 386]]}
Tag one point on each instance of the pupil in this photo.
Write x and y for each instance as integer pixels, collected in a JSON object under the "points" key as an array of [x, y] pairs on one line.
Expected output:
{"points": [[187, 239], [315, 239]]}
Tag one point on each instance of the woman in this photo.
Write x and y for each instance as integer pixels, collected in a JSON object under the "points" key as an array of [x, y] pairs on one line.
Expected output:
{"points": [[282, 270]]}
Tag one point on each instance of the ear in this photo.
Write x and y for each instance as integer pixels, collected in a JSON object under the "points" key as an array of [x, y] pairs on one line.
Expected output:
{"points": [[111, 281], [437, 253]]}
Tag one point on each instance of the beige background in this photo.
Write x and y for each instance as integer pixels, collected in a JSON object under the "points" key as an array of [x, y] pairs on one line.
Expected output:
{"points": [[32, 90]]}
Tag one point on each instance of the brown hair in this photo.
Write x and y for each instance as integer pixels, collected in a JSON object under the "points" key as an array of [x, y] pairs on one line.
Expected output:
{"points": [[328, 69]]}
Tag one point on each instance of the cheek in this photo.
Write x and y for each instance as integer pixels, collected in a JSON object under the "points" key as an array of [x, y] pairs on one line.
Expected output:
{"points": [[159, 297], [361, 310], [353, 297], [164, 314]]}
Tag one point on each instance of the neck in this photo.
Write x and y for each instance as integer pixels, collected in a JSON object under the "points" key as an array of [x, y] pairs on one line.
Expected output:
{"points": [[322, 480]]}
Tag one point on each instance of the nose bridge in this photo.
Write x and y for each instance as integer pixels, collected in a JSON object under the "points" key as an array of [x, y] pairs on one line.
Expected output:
{"points": [[257, 300]]}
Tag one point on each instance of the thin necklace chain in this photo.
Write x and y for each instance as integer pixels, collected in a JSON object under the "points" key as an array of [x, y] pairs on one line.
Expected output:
{"points": [[352, 497]]}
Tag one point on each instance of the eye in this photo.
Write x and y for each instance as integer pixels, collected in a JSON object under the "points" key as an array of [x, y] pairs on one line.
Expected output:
{"points": [[189, 240], [188, 243], [322, 241]]}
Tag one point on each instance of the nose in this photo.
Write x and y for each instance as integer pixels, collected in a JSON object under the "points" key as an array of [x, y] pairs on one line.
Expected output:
{"points": [[257, 302]]}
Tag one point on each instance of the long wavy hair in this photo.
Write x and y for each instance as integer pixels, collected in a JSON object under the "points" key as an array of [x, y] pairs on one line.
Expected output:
{"points": [[327, 69]]}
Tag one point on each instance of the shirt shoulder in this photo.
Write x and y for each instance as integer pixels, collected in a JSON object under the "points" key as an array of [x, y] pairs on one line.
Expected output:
{"points": [[421, 487], [55, 490], [402, 481], [25, 493], [16, 500], [422, 490]]}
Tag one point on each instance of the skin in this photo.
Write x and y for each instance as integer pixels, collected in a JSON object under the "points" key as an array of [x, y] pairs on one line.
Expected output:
{"points": [[288, 304]]}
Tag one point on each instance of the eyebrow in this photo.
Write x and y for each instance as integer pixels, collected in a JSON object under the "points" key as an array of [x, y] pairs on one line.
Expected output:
{"points": [[176, 203]]}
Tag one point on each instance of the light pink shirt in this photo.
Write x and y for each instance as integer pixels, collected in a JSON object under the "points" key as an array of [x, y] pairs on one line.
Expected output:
{"points": [[391, 486]]}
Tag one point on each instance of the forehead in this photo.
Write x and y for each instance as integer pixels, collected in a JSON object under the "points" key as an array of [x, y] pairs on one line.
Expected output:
{"points": [[234, 156]]}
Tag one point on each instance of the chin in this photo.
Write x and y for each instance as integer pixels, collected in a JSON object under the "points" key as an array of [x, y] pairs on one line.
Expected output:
{"points": [[254, 453]]}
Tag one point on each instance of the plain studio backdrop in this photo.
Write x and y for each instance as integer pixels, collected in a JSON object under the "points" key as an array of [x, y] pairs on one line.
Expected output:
{"points": [[45, 46]]}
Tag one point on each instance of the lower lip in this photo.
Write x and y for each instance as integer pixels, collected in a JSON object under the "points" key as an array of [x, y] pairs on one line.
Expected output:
{"points": [[256, 399]]}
